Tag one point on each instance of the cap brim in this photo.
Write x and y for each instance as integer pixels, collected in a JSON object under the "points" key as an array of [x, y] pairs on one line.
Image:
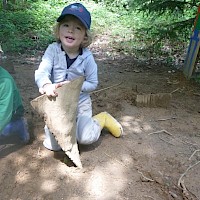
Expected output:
{"points": [[63, 16]]}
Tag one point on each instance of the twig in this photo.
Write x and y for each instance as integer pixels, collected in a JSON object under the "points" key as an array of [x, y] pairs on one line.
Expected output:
{"points": [[180, 179], [193, 154], [136, 88], [116, 160], [164, 119], [186, 142], [38, 152], [145, 178], [175, 90], [197, 94], [184, 189], [3, 147], [173, 194], [165, 140], [187, 194], [161, 132], [105, 88], [146, 196]]}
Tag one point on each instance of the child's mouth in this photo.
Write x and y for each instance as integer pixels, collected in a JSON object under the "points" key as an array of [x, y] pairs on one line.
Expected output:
{"points": [[69, 39]]}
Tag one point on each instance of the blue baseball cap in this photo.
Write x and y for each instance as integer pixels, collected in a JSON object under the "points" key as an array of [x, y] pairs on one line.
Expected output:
{"points": [[79, 11]]}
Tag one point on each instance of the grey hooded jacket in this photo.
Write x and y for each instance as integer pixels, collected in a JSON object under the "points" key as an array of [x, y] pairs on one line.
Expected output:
{"points": [[53, 69]]}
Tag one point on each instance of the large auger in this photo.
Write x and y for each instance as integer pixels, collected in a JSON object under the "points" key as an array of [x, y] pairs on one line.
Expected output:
{"points": [[60, 116]]}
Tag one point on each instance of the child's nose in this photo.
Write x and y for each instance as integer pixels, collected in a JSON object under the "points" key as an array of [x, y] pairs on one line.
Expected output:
{"points": [[71, 29]]}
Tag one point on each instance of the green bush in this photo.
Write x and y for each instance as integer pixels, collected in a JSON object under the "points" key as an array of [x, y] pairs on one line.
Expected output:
{"points": [[130, 26]]}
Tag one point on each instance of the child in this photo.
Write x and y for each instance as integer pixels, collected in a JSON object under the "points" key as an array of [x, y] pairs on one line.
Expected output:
{"points": [[67, 59], [12, 121]]}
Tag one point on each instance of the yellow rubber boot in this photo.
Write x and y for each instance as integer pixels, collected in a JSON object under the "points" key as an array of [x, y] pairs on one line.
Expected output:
{"points": [[105, 120]]}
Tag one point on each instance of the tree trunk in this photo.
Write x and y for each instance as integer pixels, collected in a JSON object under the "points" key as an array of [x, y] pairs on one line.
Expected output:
{"points": [[5, 4]]}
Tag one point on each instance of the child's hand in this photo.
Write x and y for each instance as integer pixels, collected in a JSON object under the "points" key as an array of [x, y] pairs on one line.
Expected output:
{"points": [[41, 91], [61, 84], [49, 89]]}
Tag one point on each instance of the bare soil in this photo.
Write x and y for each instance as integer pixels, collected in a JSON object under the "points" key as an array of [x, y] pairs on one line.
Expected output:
{"points": [[156, 158]]}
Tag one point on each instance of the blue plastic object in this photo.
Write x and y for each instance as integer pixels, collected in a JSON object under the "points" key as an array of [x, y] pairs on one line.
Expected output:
{"points": [[19, 128]]}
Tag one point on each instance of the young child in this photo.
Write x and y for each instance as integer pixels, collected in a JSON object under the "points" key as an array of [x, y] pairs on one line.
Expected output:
{"points": [[12, 121], [68, 59]]}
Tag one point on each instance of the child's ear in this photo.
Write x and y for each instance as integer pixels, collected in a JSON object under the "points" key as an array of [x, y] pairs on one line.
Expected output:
{"points": [[86, 37], [1, 51]]}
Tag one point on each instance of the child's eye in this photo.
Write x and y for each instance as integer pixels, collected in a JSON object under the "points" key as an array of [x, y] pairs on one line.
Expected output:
{"points": [[65, 25], [78, 28]]}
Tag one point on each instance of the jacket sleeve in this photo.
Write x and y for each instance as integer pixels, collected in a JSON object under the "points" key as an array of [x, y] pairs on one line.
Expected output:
{"points": [[6, 102], [43, 73], [91, 75]]}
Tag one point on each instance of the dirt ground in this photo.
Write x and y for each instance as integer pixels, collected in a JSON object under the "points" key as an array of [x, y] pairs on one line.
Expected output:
{"points": [[156, 158]]}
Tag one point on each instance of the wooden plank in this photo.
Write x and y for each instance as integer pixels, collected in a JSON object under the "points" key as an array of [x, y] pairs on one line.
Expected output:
{"points": [[192, 53]]}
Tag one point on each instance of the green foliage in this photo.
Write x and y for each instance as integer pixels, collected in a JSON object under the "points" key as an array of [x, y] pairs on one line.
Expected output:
{"points": [[164, 23], [130, 26], [28, 28], [116, 4], [164, 6], [149, 25], [168, 18]]}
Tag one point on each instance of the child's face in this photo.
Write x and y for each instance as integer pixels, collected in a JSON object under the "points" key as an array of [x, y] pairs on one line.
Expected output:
{"points": [[71, 33]]}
